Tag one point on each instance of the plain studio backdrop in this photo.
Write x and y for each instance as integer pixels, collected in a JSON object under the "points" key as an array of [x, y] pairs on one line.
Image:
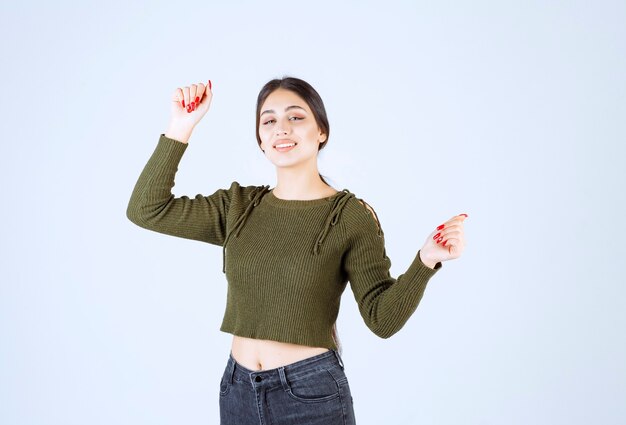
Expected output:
{"points": [[513, 112]]}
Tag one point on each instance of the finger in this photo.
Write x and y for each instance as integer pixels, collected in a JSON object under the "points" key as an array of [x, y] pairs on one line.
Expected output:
{"points": [[178, 97], [193, 96], [450, 241], [454, 225], [437, 237], [200, 92], [453, 246], [453, 250], [457, 219], [186, 96], [456, 234], [208, 93], [448, 229]]}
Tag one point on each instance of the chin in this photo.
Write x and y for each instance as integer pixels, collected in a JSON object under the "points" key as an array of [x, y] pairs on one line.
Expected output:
{"points": [[287, 160], [284, 163]]}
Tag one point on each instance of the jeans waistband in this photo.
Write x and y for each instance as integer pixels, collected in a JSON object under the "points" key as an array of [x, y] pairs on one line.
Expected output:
{"points": [[272, 377]]}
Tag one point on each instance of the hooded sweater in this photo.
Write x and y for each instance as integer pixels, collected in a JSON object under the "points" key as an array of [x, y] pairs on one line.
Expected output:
{"points": [[287, 262]]}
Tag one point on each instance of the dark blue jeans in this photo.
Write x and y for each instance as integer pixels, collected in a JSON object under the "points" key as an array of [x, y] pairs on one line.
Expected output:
{"points": [[314, 390]]}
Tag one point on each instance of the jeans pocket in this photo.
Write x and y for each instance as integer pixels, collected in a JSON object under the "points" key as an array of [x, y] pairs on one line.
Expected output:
{"points": [[314, 387], [225, 383], [224, 387], [339, 375]]}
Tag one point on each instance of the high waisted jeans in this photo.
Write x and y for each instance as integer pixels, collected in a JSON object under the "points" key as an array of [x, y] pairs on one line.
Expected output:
{"points": [[314, 390]]}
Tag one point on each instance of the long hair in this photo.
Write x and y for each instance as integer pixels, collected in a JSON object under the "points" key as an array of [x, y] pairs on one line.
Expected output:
{"points": [[312, 98]]}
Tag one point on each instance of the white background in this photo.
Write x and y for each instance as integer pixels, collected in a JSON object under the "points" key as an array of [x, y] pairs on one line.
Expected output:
{"points": [[513, 112]]}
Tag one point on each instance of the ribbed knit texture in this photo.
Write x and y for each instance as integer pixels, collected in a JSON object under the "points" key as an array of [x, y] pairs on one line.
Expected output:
{"points": [[287, 262]]}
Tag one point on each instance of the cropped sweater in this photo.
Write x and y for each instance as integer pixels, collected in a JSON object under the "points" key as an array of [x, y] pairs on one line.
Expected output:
{"points": [[287, 262]]}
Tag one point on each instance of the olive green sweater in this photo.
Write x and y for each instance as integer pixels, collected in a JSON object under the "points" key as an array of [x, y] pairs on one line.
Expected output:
{"points": [[287, 262]]}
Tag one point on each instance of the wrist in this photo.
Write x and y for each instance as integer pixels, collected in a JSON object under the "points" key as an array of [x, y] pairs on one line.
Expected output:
{"points": [[427, 261], [178, 132]]}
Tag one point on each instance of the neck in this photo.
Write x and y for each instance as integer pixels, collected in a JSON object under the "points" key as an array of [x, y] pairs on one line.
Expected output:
{"points": [[299, 184]]}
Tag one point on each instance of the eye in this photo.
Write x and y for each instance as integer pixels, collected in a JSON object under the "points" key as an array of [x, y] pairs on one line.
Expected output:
{"points": [[298, 118], [265, 123]]}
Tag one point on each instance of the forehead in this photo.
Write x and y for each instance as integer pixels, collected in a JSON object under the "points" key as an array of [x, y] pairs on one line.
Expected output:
{"points": [[279, 99]]}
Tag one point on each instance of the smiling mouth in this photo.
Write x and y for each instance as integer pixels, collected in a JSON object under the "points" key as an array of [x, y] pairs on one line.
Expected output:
{"points": [[285, 145]]}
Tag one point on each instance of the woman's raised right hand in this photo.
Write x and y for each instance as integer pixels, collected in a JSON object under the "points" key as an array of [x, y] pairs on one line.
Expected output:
{"points": [[188, 106]]}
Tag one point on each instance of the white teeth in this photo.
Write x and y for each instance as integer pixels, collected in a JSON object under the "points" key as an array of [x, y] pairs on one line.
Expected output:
{"points": [[285, 145]]}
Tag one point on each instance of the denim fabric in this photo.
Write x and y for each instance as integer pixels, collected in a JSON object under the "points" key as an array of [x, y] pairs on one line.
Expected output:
{"points": [[312, 391]]}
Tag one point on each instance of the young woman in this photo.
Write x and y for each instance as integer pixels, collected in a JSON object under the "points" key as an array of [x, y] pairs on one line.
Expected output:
{"points": [[288, 255]]}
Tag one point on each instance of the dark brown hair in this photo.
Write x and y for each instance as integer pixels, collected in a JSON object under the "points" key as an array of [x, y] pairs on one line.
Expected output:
{"points": [[307, 93]]}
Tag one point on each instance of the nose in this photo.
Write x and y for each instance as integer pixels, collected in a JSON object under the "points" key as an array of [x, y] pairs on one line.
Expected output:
{"points": [[281, 128], [280, 131]]}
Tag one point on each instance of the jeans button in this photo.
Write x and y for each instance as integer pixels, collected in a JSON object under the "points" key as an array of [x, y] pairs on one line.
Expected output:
{"points": [[258, 379]]}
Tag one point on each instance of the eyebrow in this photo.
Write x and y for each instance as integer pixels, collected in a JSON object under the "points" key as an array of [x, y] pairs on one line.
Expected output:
{"points": [[271, 111]]}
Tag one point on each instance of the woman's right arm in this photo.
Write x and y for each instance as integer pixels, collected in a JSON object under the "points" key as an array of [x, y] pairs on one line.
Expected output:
{"points": [[152, 204]]}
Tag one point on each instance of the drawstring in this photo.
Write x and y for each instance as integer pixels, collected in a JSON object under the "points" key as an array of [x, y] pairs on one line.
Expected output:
{"points": [[255, 197], [333, 217]]}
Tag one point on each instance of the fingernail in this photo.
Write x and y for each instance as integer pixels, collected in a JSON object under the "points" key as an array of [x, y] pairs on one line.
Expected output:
{"points": [[439, 240], [464, 215], [183, 103], [210, 85], [436, 236], [188, 108], [197, 99], [444, 243], [440, 227]]}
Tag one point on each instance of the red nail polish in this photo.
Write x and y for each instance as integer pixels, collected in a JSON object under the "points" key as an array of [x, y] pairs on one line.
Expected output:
{"points": [[440, 239], [183, 103], [188, 108], [440, 227], [209, 84], [197, 99], [444, 243], [436, 236], [464, 215]]}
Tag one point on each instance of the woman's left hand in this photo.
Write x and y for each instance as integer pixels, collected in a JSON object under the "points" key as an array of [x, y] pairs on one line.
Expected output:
{"points": [[447, 242]]}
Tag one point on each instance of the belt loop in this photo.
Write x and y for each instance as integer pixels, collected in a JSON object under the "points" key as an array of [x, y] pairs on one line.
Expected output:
{"points": [[338, 358], [283, 379]]}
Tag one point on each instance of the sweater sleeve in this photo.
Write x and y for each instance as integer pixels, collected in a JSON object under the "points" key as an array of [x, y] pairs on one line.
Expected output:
{"points": [[385, 303], [153, 206]]}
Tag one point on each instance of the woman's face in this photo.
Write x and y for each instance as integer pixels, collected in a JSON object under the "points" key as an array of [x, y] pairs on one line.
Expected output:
{"points": [[287, 119]]}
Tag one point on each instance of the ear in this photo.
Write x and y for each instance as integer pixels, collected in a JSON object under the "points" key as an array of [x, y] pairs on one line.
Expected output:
{"points": [[322, 137]]}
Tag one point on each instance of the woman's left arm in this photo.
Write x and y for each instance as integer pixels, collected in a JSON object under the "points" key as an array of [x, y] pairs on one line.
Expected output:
{"points": [[385, 302]]}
